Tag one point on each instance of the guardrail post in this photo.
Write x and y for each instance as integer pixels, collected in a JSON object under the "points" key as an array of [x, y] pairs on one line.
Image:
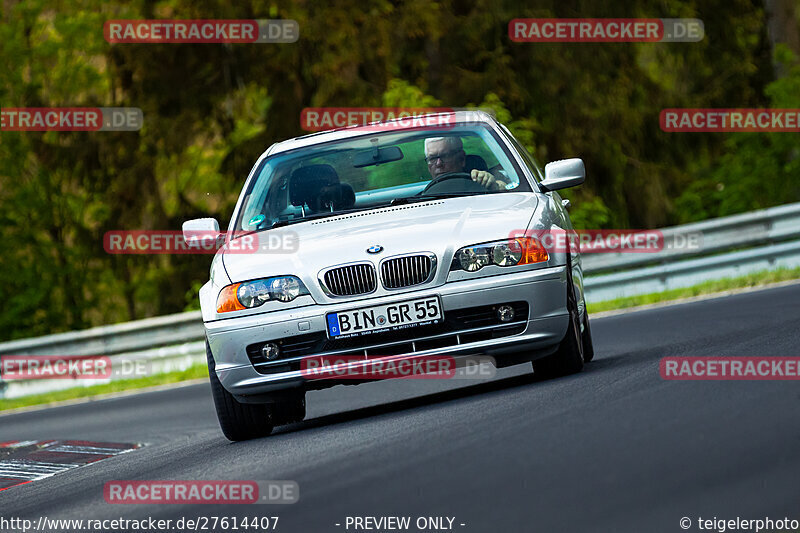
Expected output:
{"points": [[3, 385]]}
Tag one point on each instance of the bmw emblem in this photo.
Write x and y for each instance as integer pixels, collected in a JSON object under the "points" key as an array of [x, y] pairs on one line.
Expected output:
{"points": [[375, 249]]}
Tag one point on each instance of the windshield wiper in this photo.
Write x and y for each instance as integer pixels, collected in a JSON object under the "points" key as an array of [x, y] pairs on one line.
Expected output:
{"points": [[427, 197], [395, 201], [287, 222], [326, 214]]}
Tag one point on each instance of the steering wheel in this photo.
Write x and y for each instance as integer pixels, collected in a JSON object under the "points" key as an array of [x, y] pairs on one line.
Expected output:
{"points": [[472, 186]]}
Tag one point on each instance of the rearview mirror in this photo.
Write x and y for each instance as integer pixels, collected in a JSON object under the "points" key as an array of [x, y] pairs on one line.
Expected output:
{"points": [[376, 156], [563, 174]]}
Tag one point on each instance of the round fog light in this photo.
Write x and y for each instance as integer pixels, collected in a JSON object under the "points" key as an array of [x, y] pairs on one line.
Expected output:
{"points": [[270, 351], [505, 313]]}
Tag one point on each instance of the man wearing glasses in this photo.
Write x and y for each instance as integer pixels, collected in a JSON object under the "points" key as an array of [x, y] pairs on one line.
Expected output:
{"points": [[446, 154]]}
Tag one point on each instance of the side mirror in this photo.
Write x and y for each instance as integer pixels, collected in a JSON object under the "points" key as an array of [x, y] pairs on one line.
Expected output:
{"points": [[563, 174], [200, 229]]}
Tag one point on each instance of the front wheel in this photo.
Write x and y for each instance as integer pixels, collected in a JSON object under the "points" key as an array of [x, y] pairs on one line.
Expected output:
{"points": [[588, 345], [569, 357], [239, 421]]}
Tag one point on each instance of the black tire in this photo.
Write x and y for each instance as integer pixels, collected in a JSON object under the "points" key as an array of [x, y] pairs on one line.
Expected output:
{"points": [[568, 359], [239, 421], [588, 345]]}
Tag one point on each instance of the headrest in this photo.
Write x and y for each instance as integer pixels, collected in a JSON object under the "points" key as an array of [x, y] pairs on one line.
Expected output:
{"points": [[475, 162], [339, 196], [306, 183]]}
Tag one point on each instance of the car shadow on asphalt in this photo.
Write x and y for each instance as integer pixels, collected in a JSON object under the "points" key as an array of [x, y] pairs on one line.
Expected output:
{"points": [[503, 384], [602, 363], [406, 404]]}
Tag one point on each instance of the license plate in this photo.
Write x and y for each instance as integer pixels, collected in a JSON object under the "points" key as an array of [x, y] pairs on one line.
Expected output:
{"points": [[390, 317]]}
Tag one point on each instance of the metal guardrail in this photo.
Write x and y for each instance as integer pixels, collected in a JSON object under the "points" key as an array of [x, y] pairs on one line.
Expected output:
{"points": [[725, 247], [118, 338], [680, 274], [765, 226], [732, 246]]}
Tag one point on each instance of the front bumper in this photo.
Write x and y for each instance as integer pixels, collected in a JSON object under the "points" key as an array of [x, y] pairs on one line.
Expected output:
{"points": [[544, 291]]}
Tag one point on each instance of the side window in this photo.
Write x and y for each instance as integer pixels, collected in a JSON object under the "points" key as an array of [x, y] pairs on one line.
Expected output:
{"points": [[474, 145], [493, 154]]}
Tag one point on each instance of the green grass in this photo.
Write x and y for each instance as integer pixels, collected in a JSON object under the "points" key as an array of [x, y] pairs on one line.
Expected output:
{"points": [[708, 287], [193, 372]]}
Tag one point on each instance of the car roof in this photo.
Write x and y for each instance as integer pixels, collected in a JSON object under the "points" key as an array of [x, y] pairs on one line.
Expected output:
{"points": [[458, 117]]}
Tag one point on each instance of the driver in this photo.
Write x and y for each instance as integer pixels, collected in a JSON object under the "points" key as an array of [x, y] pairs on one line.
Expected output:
{"points": [[446, 154]]}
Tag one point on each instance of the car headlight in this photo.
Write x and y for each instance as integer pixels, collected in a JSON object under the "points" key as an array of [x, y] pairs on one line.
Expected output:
{"points": [[507, 254], [472, 259], [285, 289], [510, 252], [250, 294]]}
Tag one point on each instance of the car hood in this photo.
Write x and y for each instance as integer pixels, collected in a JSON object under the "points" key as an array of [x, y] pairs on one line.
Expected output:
{"points": [[439, 226]]}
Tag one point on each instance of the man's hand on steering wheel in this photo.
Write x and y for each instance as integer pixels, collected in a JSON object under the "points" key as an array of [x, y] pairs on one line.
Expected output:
{"points": [[487, 180]]}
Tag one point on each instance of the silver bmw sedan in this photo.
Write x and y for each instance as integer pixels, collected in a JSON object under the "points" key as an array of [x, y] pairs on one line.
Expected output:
{"points": [[413, 239]]}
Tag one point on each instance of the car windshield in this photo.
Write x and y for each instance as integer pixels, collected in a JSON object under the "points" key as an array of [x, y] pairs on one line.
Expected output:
{"points": [[377, 170]]}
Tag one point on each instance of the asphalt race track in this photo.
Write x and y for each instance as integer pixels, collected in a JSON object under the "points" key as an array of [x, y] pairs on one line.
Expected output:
{"points": [[615, 448]]}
